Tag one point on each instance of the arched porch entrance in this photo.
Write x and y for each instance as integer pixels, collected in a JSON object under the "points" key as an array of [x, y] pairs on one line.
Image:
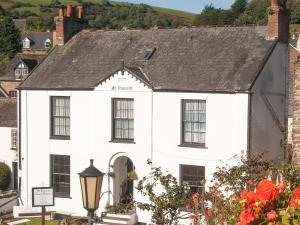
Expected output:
{"points": [[123, 183]]}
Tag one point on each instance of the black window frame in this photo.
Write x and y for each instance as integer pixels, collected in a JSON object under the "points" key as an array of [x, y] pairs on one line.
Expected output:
{"points": [[114, 138], [57, 136], [14, 139], [57, 175], [183, 143], [198, 183]]}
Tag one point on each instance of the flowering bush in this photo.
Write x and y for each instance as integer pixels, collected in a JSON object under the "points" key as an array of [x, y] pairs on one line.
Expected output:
{"points": [[242, 195], [270, 204]]}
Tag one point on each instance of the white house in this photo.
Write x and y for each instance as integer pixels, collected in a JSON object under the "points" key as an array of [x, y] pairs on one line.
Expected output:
{"points": [[184, 98], [9, 136]]}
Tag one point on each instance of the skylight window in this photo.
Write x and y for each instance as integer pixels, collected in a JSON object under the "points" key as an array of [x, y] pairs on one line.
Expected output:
{"points": [[146, 54]]}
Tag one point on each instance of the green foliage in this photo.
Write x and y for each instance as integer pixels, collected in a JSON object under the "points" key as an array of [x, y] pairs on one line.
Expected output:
{"points": [[255, 13], [121, 208], [3, 12], [5, 176], [223, 195], [107, 16], [252, 168], [164, 194], [35, 23], [4, 60], [9, 37], [214, 16]]}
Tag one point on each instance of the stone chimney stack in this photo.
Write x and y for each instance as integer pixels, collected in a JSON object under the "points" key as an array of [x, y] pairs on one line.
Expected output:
{"points": [[67, 25], [278, 21]]}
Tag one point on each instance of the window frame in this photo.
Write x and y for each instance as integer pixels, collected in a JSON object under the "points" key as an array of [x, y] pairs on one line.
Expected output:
{"points": [[198, 186], [26, 43], [52, 135], [182, 130], [113, 138], [47, 43], [52, 174], [14, 139]]}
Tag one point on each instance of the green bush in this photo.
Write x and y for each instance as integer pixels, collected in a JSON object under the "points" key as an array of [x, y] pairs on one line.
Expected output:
{"points": [[5, 176]]}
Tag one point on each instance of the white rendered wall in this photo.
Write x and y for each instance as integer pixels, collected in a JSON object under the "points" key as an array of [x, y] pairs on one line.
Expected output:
{"points": [[158, 141], [7, 155], [226, 131]]}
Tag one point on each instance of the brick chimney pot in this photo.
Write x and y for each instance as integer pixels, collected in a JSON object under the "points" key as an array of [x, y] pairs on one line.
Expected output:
{"points": [[80, 12], [69, 10]]}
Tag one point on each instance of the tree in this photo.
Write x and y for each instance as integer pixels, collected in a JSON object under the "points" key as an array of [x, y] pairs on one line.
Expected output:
{"points": [[165, 194], [5, 176], [238, 7], [9, 37]]}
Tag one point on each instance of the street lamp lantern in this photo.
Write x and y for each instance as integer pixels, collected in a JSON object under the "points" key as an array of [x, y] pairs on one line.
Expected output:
{"points": [[91, 182]]}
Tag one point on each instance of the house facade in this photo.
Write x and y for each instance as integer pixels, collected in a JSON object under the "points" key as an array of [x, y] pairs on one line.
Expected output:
{"points": [[185, 99]]}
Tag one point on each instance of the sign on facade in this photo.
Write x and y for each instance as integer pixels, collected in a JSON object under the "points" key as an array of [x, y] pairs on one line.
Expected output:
{"points": [[42, 196]]}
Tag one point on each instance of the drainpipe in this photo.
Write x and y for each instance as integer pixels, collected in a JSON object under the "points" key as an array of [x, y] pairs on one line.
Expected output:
{"points": [[27, 193]]}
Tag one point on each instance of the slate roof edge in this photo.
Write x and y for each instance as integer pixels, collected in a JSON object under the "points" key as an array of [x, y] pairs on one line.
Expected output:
{"points": [[54, 89], [19, 86], [154, 90], [263, 63]]}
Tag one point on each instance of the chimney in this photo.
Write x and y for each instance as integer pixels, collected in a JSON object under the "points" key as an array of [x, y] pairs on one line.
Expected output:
{"points": [[80, 12], [69, 10], [67, 26], [278, 21]]}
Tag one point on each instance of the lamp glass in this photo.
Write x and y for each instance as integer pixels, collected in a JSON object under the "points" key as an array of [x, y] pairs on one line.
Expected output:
{"points": [[91, 186], [83, 191]]}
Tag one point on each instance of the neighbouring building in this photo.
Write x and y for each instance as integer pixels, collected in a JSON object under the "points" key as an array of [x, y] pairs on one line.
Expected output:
{"points": [[185, 99], [9, 136], [35, 47]]}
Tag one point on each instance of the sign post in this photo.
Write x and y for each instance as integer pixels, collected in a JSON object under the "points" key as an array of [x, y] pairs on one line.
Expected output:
{"points": [[42, 197]]}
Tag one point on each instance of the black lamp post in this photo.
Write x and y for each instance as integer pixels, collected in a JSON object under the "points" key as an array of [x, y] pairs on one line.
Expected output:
{"points": [[91, 182]]}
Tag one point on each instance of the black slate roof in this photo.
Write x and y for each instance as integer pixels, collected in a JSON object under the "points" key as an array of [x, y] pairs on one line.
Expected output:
{"points": [[8, 112], [189, 59], [37, 39], [31, 60]]}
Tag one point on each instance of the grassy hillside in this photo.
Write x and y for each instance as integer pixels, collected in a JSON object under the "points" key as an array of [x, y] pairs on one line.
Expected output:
{"points": [[34, 7]]}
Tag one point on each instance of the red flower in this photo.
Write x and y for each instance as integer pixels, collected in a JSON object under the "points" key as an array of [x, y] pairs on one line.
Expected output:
{"points": [[267, 190], [248, 216], [272, 215], [195, 197], [295, 198], [250, 196]]}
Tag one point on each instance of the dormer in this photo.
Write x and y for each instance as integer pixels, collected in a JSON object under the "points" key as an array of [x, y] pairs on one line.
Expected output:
{"points": [[26, 43], [21, 71], [24, 67], [47, 43]]}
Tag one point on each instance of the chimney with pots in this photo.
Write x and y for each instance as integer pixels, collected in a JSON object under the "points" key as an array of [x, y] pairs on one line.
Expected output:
{"points": [[68, 25], [278, 21]]}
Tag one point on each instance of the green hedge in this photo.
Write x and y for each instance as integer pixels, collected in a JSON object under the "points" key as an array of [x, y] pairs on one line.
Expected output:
{"points": [[5, 176]]}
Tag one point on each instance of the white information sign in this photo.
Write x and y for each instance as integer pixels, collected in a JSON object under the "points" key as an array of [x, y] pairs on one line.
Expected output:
{"points": [[42, 196]]}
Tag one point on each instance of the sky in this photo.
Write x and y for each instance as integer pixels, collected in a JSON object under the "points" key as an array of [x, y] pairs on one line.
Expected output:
{"points": [[194, 6]]}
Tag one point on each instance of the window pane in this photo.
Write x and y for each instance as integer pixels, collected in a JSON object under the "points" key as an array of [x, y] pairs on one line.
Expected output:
{"points": [[60, 173], [60, 115], [123, 122], [192, 177], [194, 121]]}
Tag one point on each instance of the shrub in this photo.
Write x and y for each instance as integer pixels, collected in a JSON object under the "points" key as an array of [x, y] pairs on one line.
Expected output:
{"points": [[5, 176]]}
